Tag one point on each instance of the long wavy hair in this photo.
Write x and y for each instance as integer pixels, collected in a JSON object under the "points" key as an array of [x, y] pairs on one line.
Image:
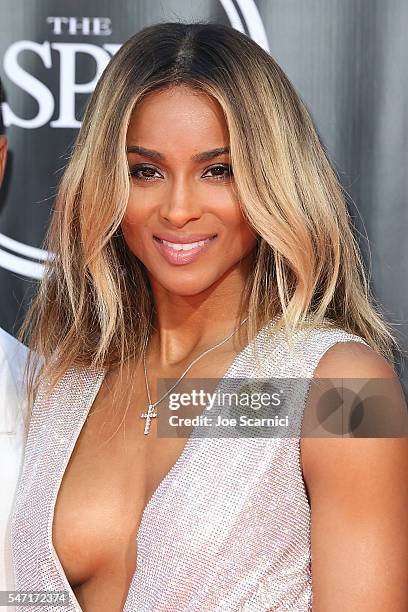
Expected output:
{"points": [[94, 300]]}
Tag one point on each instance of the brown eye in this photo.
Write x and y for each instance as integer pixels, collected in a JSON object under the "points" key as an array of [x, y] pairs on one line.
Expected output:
{"points": [[148, 172], [221, 172]]}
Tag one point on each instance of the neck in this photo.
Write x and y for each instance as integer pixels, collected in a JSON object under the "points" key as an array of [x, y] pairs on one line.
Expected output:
{"points": [[184, 326]]}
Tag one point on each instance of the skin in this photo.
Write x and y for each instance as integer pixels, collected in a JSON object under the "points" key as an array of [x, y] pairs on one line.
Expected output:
{"points": [[359, 517], [114, 468], [197, 305], [358, 489]]}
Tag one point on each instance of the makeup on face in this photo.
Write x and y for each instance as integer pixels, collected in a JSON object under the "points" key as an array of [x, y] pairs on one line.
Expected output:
{"points": [[183, 250]]}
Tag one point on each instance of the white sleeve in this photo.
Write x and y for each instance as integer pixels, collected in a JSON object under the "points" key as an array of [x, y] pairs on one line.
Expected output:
{"points": [[13, 356]]}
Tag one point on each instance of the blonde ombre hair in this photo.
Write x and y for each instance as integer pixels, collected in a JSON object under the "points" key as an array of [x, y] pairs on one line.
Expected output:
{"points": [[94, 301]]}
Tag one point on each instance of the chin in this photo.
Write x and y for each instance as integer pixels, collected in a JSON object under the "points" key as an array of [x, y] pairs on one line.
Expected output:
{"points": [[185, 287]]}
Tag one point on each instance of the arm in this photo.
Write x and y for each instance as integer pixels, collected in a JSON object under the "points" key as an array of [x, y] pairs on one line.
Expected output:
{"points": [[358, 491]]}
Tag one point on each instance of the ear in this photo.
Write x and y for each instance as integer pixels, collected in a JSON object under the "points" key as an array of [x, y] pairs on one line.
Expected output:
{"points": [[3, 155]]}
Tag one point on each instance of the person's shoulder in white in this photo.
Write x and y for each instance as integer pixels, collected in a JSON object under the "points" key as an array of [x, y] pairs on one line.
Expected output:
{"points": [[13, 355]]}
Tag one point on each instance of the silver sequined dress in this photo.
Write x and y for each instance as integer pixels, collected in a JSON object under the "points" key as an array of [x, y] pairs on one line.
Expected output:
{"points": [[227, 529]]}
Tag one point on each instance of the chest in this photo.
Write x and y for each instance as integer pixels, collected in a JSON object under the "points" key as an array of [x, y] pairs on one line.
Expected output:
{"points": [[220, 516], [113, 472], [228, 508]]}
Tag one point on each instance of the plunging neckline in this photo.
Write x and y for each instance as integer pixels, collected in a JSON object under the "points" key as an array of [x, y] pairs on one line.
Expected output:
{"points": [[172, 474]]}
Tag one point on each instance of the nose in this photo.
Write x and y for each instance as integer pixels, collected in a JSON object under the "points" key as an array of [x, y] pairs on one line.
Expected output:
{"points": [[181, 203]]}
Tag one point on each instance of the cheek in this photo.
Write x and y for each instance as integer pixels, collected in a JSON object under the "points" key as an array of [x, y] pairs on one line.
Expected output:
{"points": [[131, 226], [129, 223], [245, 235], [129, 231], [135, 215], [234, 220]]}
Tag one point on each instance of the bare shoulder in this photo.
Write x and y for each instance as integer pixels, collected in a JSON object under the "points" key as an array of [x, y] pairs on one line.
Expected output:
{"points": [[350, 360], [353, 360], [358, 491]]}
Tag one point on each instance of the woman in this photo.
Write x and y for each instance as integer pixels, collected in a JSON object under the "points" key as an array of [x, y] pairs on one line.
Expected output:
{"points": [[194, 136]]}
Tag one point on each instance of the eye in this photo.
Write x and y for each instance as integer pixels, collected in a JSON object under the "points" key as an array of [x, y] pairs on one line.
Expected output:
{"points": [[223, 172], [148, 170], [143, 172]]}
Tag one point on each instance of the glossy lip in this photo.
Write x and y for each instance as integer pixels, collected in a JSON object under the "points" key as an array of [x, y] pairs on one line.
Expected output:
{"points": [[179, 258], [183, 239]]}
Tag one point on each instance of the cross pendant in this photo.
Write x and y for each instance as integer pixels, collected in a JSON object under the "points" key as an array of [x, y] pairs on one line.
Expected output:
{"points": [[149, 415]]}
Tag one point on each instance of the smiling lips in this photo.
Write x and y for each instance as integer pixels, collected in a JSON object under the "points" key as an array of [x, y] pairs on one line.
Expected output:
{"points": [[186, 250]]}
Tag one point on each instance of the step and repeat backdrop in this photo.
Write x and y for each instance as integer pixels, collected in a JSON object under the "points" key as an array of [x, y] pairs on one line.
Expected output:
{"points": [[346, 58]]}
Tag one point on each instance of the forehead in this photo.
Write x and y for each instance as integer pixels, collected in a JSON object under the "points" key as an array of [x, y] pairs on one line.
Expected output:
{"points": [[177, 117]]}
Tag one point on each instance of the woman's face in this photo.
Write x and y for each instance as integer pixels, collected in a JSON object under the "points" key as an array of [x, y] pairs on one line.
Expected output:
{"points": [[182, 192]]}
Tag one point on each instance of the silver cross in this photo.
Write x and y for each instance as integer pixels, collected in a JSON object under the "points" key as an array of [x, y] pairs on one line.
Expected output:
{"points": [[149, 415]]}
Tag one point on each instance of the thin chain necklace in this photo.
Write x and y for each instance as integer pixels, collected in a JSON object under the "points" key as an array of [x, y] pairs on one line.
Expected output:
{"points": [[150, 414]]}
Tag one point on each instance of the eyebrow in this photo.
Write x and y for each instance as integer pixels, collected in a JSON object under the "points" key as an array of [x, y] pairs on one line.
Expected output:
{"points": [[198, 157]]}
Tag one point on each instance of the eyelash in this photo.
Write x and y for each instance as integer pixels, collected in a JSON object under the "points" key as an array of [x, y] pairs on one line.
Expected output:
{"points": [[139, 167]]}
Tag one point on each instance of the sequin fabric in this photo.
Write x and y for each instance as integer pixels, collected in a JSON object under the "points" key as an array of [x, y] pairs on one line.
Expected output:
{"points": [[227, 529]]}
